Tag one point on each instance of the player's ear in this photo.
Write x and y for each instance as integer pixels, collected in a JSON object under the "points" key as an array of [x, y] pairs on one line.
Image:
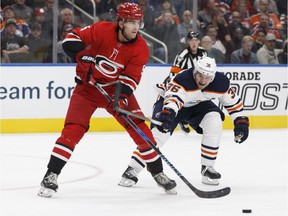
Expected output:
{"points": [[121, 24]]}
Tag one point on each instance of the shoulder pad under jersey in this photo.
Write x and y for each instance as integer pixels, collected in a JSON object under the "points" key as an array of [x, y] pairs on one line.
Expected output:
{"points": [[186, 79], [220, 83]]}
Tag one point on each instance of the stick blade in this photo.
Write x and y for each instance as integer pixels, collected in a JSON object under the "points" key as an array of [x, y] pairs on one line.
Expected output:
{"points": [[213, 194]]}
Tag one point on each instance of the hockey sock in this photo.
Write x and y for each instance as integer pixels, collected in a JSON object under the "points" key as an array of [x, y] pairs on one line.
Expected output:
{"points": [[137, 161], [64, 146], [155, 167]]}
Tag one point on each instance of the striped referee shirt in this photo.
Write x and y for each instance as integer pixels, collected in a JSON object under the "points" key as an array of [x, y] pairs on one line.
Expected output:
{"points": [[186, 59]]}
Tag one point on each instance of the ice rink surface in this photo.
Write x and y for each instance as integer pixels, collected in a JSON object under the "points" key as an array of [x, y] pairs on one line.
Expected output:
{"points": [[256, 171]]}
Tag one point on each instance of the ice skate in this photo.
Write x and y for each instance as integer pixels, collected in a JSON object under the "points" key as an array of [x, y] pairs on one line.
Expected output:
{"points": [[129, 177], [166, 183], [184, 127], [209, 175], [49, 185]]}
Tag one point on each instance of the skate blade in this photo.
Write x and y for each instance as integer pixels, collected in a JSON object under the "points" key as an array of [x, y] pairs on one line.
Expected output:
{"points": [[208, 181], [238, 138], [186, 132], [171, 192], [46, 192], [126, 182]]}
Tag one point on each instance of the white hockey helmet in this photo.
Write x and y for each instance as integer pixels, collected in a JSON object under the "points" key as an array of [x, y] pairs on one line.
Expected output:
{"points": [[206, 66]]}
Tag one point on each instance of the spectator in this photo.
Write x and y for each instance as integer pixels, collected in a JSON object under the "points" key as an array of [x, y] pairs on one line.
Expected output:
{"points": [[62, 57], [182, 5], [224, 6], [212, 52], [4, 56], [46, 26], [244, 13], [237, 38], [244, 55], [235, 6], [39, 15], [274, 21], [259, 40], [22, 27], [67, 17], [44, 16], [22, 11], [186, 25], [149, 16], [267, 54], [48, 8], [216, 43], [236, 23], [167, 32], [223, 33], [38, 46], [205, 14], [282, 57], [242, 8], [264, 25], [271, 7], [13, 45], [166, 5]]}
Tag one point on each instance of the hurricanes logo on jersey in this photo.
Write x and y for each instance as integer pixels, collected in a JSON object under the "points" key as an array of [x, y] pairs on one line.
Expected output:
{"points": [[107, 67]]}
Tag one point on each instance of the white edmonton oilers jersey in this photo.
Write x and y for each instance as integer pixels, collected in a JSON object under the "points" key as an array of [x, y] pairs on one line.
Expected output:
{"points": [[182, 91]]}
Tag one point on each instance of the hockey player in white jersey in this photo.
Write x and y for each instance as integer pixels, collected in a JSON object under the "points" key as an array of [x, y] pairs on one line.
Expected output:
{"points": [[184, 60], [188, 97]]}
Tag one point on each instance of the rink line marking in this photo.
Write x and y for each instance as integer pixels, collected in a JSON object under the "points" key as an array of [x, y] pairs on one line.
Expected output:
{"points": [[97, 173]]}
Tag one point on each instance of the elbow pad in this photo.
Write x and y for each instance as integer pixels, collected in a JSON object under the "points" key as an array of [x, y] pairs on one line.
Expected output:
{"points": [[71, 48]]}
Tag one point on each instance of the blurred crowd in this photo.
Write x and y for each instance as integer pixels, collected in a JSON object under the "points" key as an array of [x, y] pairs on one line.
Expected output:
{"points": [[231, 31]]}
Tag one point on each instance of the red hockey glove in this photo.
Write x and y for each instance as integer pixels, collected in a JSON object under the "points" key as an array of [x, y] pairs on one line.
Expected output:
{"points": [[84, 68], [122, 103], [166, 116], [241, 129]]}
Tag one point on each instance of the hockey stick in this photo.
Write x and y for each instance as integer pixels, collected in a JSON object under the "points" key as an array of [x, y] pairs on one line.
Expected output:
{"points": [[118, 109], [199, 193], [99, 87]]}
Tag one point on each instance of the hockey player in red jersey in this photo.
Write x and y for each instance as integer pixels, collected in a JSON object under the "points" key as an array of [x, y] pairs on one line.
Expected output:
{"points": [[105, 52], [188, 97]]}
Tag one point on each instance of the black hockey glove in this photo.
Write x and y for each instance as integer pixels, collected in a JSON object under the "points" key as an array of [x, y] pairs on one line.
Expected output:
{"points": [[241, 129], [166, 116]]}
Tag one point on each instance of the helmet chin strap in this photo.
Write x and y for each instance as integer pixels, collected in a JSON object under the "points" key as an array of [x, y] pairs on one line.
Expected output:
{"points": [[124, 35]]}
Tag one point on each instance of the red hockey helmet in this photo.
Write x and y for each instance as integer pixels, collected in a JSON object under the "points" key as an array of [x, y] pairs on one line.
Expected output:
{"points": [[129, 11]]}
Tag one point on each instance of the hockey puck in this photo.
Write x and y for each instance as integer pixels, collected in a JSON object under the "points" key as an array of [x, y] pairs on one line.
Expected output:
{"points": [[246, 211]]}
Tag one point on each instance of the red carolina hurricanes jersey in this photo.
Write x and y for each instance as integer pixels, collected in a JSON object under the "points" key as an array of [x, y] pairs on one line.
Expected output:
{"points": [[113, 60]]}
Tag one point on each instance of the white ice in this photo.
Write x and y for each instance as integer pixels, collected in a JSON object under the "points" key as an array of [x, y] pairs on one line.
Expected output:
{"points": [[256, 171]]}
